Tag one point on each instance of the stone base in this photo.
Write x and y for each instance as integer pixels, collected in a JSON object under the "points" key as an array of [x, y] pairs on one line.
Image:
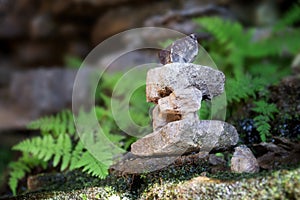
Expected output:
{"points": [[183, 136], [132, 164]]}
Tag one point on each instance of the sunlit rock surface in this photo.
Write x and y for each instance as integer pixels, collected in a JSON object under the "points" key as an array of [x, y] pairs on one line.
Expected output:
{"points": [[243, 160], [184, 136], [161, 81], [178, 89]]}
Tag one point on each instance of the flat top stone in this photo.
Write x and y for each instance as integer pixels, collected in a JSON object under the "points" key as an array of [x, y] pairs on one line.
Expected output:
{"points": [[163, 80]]}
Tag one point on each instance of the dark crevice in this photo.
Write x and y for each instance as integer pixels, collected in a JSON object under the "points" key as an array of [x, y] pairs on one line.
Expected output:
{"points": [[165, 92]]}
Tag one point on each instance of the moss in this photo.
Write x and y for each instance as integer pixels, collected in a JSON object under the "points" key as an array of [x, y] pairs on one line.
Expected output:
{"points": [[282, 184], [191, 181]]}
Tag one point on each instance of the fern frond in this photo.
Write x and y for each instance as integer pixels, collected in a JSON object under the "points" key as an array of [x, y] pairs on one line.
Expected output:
{"points": [[41, 147], [46, 147], [19, 168], [288, 40], [76, 155], [18, 171], [265, 108], [60, 145], [63, 122], [261, 122], [265, 113], [92, 166], [38, 151], [103, 114], [228, 33], [292, 16], [263, 71], [237, 89], [114, 138], [65, 147]]}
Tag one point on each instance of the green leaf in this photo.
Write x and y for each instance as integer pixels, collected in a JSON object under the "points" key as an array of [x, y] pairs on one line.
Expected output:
{"points": [[76, 155], [61, 123], [72, 61], [265, 108], [265, 113], [92, 165], [291, 17], [18, 170], [67, 144]]}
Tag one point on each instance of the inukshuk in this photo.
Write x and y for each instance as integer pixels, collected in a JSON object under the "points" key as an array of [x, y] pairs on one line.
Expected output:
{"points": [[177, 88]]}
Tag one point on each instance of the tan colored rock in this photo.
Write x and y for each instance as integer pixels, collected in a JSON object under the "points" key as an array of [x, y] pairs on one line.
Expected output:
{"points": [[162, 81], [132, 164], [178, 105], [184, 136], [178, 89], [159, 119], [243, 160], [181, 101]]}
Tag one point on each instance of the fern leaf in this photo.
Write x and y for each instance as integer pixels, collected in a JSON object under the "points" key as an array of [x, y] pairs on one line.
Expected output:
{"points": [[47, 155], [18, 170], [66, 143], [292, 16], [76, 155], [265, 108], [56, 159], [237, 89], [92, 166], [265, 114], [13, 184], [263, 127], [46, 147], [63, 122], [114, 138], [228, 33], [43, 148]]}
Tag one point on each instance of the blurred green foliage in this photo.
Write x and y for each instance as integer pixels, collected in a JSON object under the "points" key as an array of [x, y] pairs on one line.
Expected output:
{"points": [[59, 145], [251, 64], [72, 62]]}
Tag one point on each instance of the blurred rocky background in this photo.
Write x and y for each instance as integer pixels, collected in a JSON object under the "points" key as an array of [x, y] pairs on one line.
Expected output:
{"points": [[39, 39]]}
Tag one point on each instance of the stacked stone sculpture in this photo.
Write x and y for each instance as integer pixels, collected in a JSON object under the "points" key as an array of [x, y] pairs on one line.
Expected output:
{"points": [[178, 89]]}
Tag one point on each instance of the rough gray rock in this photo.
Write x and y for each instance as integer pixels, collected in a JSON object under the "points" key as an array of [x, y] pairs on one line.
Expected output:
{"points": [[184, 50], [163, 81], [243, 160], [184, 136]]}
